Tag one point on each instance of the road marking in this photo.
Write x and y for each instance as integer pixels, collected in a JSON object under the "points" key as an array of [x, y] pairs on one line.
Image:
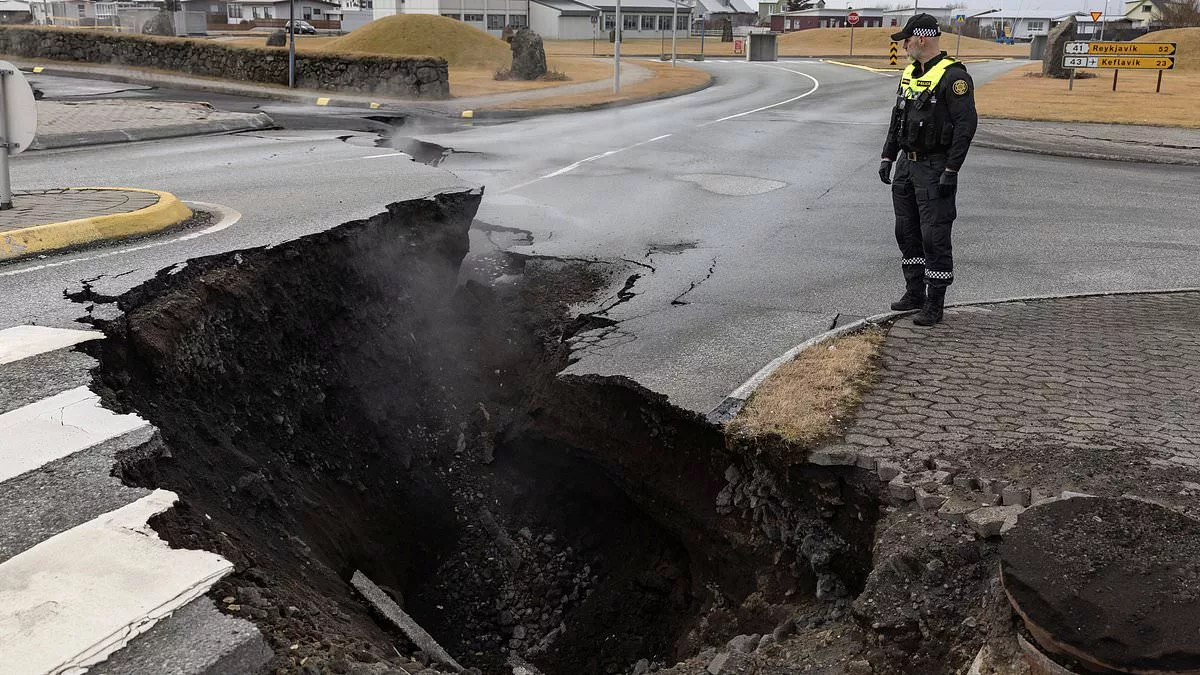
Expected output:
{"points": [[20, 342], [76, 598], [228, 217], [877, 71], [57, 427], [571, 167], [323, 101], [816, 85], [576, 165], [374, 106], [390, 154]]}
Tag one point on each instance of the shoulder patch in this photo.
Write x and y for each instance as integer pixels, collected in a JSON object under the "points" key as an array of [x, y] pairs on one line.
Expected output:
{"points": [[960, 87]]}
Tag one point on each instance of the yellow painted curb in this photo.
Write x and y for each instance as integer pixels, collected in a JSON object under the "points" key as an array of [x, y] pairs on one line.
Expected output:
{"points": [[855, 65], [167, 212]]}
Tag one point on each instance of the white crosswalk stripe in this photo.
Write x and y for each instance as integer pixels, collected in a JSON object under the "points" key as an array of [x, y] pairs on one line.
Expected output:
{"points": [[20, 342], [76, 598], [56, 427], [74, 594]]}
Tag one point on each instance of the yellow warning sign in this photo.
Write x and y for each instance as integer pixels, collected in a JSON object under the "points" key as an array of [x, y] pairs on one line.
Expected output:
{"points": [[892, 55]]}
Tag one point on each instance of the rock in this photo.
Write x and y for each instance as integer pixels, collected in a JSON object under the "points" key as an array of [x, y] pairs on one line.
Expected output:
{"points": [[862, 667], [733, 474], [744, 643], [159, 24], [956, 509], [784, 630], [1015, 495], [994, 520], [1056, 43], [277, 39], [900, 489], [887, 471], [528, 55], [642, 667], [928, 501], [834, 456]]}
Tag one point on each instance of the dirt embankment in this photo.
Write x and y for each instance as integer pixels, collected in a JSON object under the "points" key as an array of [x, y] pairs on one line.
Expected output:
{"points": [[342, 402]]}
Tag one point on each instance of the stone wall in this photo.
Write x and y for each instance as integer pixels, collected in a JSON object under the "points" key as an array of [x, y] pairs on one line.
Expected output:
{"points": [[407, 77]]}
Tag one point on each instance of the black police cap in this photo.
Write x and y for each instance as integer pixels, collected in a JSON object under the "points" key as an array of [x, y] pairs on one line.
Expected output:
{"points": [[921, 25]]}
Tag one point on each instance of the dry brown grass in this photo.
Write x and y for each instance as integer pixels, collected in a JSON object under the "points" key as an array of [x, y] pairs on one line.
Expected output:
{"points": [[427, 35], [482, 81], [1024, 95], [1188, 41], [806, 400], [666, 80], [815, 42]]}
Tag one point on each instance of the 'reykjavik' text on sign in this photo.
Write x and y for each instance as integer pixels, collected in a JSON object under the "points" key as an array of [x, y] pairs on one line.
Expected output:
{"points": [[1122, 62], [1121, 48]]}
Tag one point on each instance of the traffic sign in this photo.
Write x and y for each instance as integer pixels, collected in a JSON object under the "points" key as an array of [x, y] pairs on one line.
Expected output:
{"points": [[960, 18], [852, 18], [1122, 48], [1096, 16], [20, 108], [1122, 62]]}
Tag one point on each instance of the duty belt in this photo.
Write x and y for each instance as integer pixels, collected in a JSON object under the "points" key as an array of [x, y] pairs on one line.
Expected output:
{"points": [[922, 156]]}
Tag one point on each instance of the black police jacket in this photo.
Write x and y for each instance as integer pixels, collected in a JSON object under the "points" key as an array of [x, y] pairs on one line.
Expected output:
{"points": [[948, 115]]}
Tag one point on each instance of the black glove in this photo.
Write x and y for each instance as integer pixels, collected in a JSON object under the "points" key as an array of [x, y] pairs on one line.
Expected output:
{"points": [[947, 184], [885, 171]]}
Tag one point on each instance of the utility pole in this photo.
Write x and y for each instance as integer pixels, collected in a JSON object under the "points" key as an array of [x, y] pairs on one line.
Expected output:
{"points": [[674, 27], [617, 52], [1103, 20], [292, 45]]}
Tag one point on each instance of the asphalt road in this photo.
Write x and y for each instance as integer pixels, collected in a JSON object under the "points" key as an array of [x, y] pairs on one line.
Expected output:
{"points": [[751, 210]]}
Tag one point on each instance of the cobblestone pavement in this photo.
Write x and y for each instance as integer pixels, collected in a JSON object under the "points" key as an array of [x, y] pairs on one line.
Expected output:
{"points": [[70, 117], [42, 207], [1008, 403]]}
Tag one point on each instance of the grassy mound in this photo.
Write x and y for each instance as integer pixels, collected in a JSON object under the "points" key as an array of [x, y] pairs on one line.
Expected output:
{"points": [[875, 41], [426, 35], [1188, 39]]}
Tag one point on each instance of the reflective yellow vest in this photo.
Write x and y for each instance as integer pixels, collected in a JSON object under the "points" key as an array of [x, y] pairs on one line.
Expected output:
{"points": [[912, 86]]}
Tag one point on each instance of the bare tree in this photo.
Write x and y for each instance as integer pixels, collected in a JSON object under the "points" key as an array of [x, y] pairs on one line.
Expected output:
{"points": [[798, 5], [1179, 13]]}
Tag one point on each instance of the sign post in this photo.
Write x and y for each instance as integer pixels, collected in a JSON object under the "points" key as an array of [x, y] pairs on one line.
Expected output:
{"points": [[852, 19], [959, 20], [18, 124], [674, 28], [292, 45]]}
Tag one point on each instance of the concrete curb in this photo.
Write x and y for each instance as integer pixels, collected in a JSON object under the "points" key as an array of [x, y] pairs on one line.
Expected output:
{"points": [[1084, 154], [257, 122], [166, 212], [736, 399]]}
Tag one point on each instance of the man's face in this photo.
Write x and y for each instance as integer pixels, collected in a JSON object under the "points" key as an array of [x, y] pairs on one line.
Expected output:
{"points": [[913, 46]]}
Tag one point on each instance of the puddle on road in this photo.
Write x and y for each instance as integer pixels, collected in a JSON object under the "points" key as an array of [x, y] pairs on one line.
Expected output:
{"points": [[732, 185]]}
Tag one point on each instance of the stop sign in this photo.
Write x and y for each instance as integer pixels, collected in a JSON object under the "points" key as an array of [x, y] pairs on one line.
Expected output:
{"points": [[852, 18]]}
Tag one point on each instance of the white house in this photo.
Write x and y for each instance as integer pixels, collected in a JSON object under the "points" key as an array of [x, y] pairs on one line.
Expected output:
{"points": [[489, 15], [239, 11], [564, 19], [716, 12], [14, 11], [1021, 26]]}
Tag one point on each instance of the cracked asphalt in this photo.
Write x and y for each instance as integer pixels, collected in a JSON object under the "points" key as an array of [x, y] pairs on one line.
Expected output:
{"points": [[749, 215]]}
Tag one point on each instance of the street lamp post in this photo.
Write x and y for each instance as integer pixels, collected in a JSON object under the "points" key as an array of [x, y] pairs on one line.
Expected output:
{"points": [[617, 52], [674, 27], [958, 43], [292, 45]]}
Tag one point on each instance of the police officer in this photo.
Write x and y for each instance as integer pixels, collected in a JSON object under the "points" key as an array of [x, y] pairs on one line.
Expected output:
{"points": [[931, 129]]}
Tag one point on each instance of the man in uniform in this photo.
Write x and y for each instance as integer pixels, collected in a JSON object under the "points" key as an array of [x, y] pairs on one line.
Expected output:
{"points": [[931, 129]]}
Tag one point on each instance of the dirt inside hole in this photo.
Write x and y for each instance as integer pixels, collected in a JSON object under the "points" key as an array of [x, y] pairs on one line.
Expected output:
{"points": [[344, 402]]}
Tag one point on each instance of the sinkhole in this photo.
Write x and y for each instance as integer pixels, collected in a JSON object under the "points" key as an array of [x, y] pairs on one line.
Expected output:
{"points": [[356, 401]]}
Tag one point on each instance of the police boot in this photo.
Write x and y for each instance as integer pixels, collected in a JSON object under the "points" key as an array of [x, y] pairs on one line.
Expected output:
{"points": [[914, 295], [931, 313]]}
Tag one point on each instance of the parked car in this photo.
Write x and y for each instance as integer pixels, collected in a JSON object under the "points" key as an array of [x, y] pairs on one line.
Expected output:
{"points": [[302, 27]]}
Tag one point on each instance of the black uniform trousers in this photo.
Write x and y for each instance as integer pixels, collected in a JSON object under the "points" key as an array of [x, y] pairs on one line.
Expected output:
{"points": [[925, 214]]}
